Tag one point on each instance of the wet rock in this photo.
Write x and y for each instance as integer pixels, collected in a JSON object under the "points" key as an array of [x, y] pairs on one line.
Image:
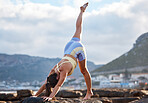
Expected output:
{"points": [[24, 93], [69, 94]]}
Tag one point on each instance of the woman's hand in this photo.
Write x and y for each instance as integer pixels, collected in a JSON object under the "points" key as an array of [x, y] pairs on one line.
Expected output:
{"points": [[47, 98]]}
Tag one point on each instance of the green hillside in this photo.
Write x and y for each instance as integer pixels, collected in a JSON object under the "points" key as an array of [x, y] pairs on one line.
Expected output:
{"points": [[136, 57]]}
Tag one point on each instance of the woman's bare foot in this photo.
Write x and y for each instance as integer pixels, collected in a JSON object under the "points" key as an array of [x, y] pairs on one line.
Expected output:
{"points": [[84, 7], [88, 96]]}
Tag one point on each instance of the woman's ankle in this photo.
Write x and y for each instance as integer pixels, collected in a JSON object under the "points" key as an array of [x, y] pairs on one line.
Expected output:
{"points": [[89, 92]]}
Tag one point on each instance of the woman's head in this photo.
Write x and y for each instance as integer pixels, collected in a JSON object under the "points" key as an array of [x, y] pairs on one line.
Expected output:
{"points": [[52, 80], [51, 83]]}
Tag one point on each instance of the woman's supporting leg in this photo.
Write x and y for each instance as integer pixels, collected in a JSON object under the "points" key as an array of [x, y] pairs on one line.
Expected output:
{"points": [[79, 22], [87, 77]]}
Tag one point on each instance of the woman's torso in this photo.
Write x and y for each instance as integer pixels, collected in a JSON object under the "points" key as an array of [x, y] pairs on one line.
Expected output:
{"points": [[75, 50]]}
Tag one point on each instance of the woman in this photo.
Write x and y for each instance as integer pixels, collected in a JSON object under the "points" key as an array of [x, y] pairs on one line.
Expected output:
{"points": [[74, 52]]}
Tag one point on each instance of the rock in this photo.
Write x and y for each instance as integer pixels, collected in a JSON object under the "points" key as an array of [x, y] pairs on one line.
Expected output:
{"points": [[3, 96], [64, 101], [78, 100], [10, 102], [110, 92], [14, 102], [137, 93], [76, 96], [115, 92], [11, 96], [3, 102], [106, 100], [143, 100], [124, 99], [69, 94], [33, 100], [36, 100], [24, 93], [91, 101]]}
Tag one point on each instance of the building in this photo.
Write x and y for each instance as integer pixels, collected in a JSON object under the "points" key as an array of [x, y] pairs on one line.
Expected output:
{"points": [[136, 76]]}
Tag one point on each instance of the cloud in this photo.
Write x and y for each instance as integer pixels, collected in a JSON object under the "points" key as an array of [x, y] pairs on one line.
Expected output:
{"points": [[43, 29], [96, 0], [114, 28]]}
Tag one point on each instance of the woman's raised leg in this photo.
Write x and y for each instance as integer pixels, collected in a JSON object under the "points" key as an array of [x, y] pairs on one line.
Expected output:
{"points": [[79, 22]]}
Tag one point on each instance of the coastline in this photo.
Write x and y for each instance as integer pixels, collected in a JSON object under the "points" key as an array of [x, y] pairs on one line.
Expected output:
{"points": [[105, 95]]}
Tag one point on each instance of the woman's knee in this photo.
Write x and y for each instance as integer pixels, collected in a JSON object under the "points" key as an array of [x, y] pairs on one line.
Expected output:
{"points": [[84, 71]]}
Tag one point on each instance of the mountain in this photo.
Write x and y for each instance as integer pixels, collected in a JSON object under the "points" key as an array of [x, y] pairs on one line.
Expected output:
{"points": [[135, 60], [30, 68]]}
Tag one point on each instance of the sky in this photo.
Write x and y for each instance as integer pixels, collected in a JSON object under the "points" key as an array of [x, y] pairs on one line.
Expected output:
{"points": [[43, 27]]}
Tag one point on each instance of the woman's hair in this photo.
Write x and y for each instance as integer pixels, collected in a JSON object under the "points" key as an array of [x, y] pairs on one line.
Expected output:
{"points": [[51, 83]]}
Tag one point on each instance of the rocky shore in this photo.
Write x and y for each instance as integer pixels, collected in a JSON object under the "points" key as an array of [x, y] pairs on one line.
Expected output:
{"points": [[76, 96]]}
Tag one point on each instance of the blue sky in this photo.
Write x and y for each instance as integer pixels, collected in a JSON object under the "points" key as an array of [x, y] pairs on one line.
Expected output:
{"points": [[43, 27]]}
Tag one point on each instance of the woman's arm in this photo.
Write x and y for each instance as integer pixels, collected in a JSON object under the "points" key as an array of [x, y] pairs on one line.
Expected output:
{"points": [[40, 90], [43, 87], [63, 75]]}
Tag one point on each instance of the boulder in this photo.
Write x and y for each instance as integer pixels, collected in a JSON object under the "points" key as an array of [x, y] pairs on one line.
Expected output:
{"points": [[11, 102], [24, 93], [3, 102], [124, 99], [143, 100], [69, 94], [138, 93], [3, 96], [6, 97], [92, 100], [32, 100], [78, 100], [115, 92], [12, 96], [106, 100], [37, 100], [110, 92]]}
